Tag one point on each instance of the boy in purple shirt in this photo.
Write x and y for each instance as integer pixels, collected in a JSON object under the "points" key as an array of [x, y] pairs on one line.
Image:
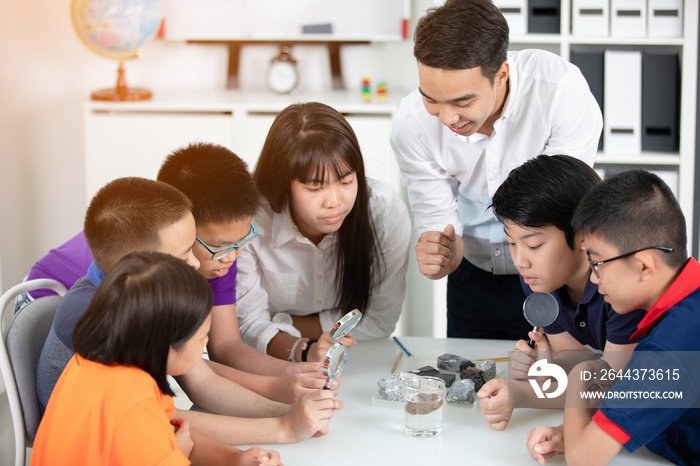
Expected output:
{"points": [[70, 261]]}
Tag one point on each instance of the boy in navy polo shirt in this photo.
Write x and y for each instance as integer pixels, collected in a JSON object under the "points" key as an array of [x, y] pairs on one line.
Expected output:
{"points": [[634, 234], [535, 204]]}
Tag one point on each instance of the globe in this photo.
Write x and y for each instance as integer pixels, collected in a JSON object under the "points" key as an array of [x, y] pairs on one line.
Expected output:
{"points": [[117, 29]]}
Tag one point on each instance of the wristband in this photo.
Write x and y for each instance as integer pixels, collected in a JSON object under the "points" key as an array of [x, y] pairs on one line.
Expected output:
{"points": [[292, 355], [305, 350]]}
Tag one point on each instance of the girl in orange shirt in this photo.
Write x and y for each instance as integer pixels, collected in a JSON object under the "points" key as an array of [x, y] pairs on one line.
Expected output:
{"points": [[112, 404]]}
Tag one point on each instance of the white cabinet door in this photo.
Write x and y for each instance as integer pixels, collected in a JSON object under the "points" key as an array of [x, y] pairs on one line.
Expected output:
{"points": [[134, 143], [373, 134], [257, 125]]}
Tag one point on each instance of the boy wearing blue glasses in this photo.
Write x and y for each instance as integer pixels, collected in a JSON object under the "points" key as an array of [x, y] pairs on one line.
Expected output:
{"points": [[634, 234], [222, 206], [225, 198]]}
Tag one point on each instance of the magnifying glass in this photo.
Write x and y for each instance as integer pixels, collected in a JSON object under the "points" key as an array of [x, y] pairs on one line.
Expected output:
{"points": [[334, 362], [540, 309], [345, 324]]}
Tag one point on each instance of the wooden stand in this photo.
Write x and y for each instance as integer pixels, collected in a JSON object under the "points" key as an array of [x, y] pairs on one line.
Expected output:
{"points": [[121, 93], [234, 53]]}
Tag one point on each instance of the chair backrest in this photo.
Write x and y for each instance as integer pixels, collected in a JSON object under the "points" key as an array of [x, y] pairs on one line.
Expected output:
{"points": [[23, 340]]}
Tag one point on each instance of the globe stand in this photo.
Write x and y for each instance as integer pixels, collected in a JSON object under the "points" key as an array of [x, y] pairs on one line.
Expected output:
{"points": [[121, 93]]}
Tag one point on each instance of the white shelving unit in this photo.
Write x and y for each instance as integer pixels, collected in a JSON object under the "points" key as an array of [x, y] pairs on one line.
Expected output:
{"points": [[133, 139], [682, 162]]}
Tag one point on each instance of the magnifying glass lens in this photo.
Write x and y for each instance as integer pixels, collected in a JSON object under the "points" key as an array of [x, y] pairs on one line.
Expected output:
{"points": [[540, 310], [345, 324], [339, 362], [334, 362]]}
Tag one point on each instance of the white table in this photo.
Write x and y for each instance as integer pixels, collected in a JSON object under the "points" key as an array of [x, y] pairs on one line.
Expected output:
{"points": [[365, 434]]}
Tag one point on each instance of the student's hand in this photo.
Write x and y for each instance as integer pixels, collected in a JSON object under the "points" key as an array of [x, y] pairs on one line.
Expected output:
{"points": [[540, 339], [523, 356], [301, 368], [256, 456], [543, 442], [437, 252], [320, 348], [493, 401], [310, 416], [182, 436], [291, 388], [521, 359]]}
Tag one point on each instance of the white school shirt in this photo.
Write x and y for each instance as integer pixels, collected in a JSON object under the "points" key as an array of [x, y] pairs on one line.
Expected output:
{"points": [[451, 178], [283, 271]]}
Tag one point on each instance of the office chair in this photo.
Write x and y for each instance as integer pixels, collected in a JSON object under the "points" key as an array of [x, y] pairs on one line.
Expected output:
{"points": [[23, 338]]}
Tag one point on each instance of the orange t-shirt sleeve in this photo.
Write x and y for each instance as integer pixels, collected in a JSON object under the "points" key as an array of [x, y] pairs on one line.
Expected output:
{"points": [[144, 436]]}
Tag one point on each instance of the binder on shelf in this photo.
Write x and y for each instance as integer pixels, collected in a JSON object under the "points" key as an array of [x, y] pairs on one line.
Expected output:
{"points": [[628, 18], [590, 18], [665, 18], [660, 102], [591, 65], [622, 107], [544, 16], [515, 13]]}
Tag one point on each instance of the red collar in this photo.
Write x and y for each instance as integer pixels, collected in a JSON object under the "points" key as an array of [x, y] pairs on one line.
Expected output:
{"points": [[687, 282]]}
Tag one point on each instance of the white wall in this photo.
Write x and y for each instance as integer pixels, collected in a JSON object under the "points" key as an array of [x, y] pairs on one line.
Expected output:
{"points": [[46, 74]]}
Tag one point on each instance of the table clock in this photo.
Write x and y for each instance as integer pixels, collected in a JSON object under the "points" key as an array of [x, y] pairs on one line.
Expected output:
{"points": [[282, 74]]}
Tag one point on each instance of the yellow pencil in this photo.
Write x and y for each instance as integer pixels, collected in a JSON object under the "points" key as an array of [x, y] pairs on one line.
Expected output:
{"points": [[494, 359]]}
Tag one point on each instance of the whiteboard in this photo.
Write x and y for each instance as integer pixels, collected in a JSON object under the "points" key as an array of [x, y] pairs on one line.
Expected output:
{"points": [[252, 20]]}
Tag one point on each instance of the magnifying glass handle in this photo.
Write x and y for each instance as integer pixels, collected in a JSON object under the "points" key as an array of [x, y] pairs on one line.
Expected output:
{"points": [[531, 342], [328, 384]]}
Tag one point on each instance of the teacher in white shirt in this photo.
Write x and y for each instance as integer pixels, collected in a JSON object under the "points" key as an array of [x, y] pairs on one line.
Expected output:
{"points": [[329, 240], [479, 112]]}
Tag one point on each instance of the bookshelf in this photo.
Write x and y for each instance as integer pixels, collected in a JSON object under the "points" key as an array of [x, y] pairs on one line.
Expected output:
{"points": [[680, 164]]}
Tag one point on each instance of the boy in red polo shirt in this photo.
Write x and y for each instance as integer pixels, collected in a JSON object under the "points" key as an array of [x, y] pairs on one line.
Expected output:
{"points": [[635, 238]]}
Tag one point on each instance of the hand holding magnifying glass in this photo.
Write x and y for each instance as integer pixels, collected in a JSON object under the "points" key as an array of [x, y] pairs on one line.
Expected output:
{"points": [[540, 310], [345, 324], [336, 357], [339, 333]]}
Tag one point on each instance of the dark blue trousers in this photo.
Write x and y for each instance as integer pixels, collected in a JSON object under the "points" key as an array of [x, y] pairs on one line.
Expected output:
{"points": [[483, 305]]}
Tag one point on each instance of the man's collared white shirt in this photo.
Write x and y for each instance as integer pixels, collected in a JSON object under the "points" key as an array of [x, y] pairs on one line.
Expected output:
{"points": [[451, 178]]}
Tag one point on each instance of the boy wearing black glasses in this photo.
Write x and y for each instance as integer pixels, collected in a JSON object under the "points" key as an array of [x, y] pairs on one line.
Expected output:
{"points": [[634, 234], [535, 204], [224, 199]]}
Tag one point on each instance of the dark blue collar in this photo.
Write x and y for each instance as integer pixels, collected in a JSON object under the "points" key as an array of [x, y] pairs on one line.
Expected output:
{"points": [[95, 274]]}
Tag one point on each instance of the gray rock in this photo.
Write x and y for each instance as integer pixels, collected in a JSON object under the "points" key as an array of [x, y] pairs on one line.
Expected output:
{"points": [[473, 374], [391, 388], [488, 369], [454, 363], [461, 392]]}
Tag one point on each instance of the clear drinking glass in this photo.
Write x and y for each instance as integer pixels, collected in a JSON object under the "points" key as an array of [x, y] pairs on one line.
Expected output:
{"points": [[425, 401]]}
